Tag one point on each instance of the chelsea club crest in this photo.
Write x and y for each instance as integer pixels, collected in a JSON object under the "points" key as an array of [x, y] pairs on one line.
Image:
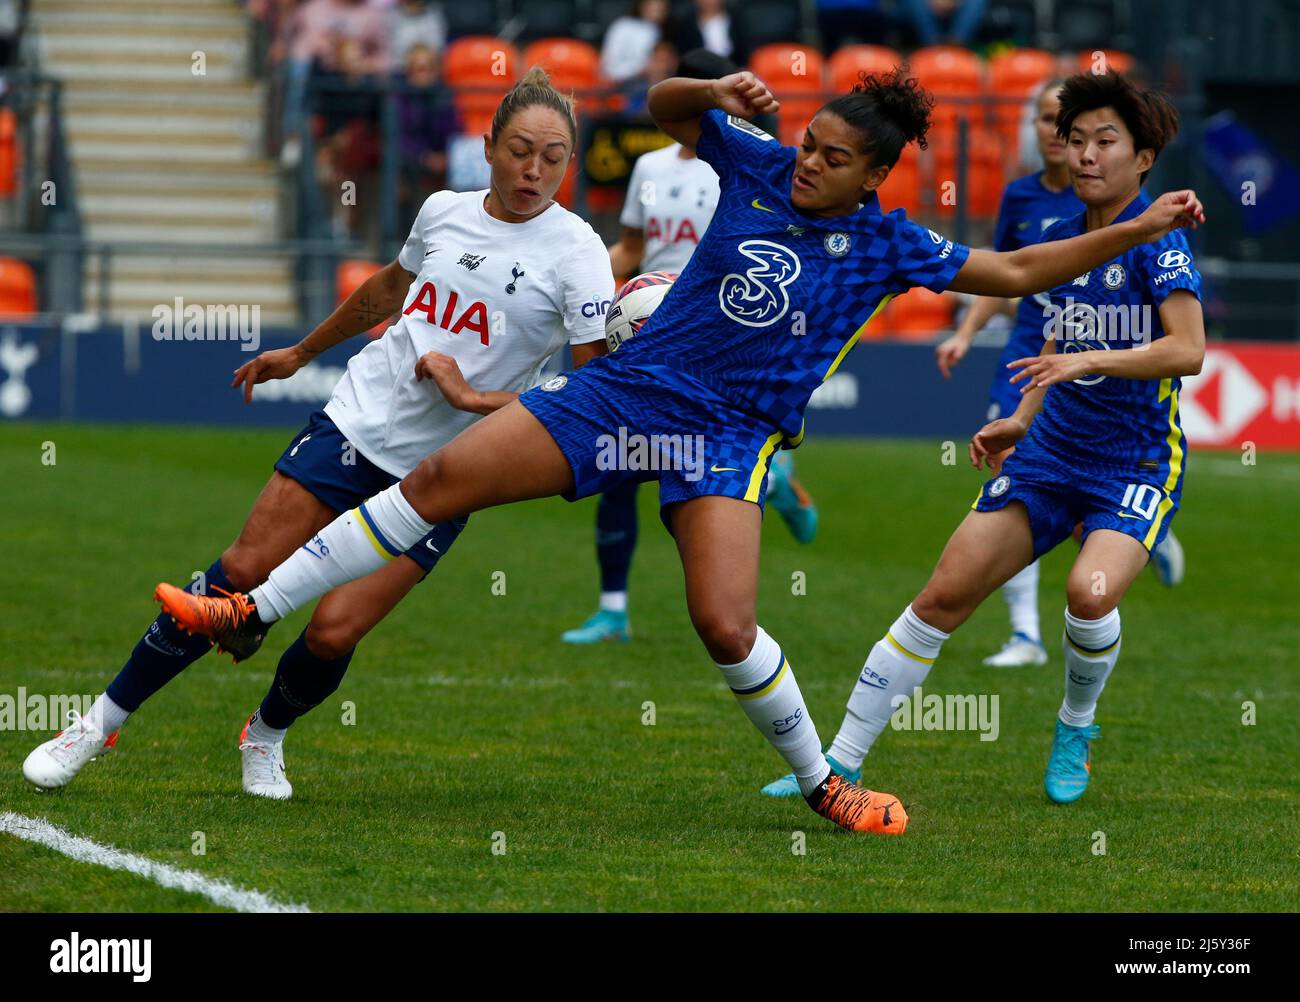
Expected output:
{"points": [[1113, 277], [555, 383], [837, 244], [999, 486]]}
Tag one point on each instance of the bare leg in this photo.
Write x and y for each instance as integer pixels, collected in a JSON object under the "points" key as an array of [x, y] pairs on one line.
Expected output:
{"points": [[284, 516]]}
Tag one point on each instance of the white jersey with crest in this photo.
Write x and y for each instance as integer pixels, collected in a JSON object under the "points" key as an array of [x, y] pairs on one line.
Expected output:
{"points": [[672, 200], [499, 297]]}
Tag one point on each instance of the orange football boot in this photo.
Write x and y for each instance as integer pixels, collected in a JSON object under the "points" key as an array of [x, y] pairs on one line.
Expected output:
{"points": [[230, 621], [858, 809]]}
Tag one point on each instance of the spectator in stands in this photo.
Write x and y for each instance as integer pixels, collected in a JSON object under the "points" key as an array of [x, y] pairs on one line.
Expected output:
{"points": [[842, 22], [426, 121], [630, 40], [412, 23], [938, 22], [707, 27], [309, 36], [660, 66], [345, 98]]}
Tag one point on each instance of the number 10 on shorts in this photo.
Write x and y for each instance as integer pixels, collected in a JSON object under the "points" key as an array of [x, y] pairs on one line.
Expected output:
{"points": [[1143, 499]]}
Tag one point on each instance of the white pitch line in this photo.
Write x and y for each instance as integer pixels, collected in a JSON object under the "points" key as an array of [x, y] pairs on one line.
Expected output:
{"points": [[219, 892]]}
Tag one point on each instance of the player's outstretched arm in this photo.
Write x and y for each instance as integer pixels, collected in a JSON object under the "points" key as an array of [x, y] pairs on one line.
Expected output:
{"points": [[375, 299], [992, 444], [1040, 267], [451, 382], [1179, 352], [677, 103], [952, 350]]}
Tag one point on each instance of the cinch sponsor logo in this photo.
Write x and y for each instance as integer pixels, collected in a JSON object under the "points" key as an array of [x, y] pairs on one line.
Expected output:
{"points": [[39, 712], [102, 956], [454, 317], [636, 452], [595, 308], [175, 321], [952, 712]]}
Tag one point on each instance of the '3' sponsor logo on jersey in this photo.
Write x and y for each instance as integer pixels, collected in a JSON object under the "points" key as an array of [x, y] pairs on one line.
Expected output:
{"points": [[758, 298]]}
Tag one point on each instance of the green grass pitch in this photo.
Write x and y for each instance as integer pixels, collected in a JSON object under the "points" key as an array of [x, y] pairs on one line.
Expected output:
{"points": [[471, 718]]}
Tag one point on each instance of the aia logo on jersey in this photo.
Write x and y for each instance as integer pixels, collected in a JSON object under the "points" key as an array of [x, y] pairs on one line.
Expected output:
{"points": [[453, 318], [667, 233]]}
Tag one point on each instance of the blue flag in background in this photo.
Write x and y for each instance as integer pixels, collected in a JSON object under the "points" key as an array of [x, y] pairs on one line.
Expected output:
{"points": [[1236, 155]]}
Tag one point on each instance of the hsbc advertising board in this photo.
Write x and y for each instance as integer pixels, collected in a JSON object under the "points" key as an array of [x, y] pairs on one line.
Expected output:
{"points": [[1244, 393]]}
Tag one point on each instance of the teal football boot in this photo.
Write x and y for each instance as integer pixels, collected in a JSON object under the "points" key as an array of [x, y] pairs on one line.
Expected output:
{"points": [[604, 624], [1069, 767], [791, 501], [788, 785]]}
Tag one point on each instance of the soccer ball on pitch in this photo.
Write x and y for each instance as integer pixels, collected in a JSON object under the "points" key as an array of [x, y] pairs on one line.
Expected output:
{"points": [[633, 305]]}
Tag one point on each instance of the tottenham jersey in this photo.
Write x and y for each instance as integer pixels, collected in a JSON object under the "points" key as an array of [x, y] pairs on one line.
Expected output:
{"points": [[773, 299], [495, 296], [671, 199], [1109, 421], [1027, 211]]}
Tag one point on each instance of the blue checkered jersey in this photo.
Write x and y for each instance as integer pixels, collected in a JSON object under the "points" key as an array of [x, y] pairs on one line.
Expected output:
{"points": [[773, 299], [1027, 211], [1107, 421]]}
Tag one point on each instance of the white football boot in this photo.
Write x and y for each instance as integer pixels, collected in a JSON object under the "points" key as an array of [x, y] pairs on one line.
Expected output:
{"points": [[53, 763], [1018, 652], [264, 767]]}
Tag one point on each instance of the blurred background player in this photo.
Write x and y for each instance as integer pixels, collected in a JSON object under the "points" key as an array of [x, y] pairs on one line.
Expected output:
{"points": [[1122, 479], [670, 200], [470, 256], [1030, 205]]}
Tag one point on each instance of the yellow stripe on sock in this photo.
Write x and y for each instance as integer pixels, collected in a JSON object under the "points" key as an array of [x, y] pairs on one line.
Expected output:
{"points": [[374, 541], [903, 650], [776, 680], [1090, 654]]}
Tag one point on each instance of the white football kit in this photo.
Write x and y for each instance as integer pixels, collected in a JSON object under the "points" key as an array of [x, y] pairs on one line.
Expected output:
{"points": [[498, 297], [672, 199]]}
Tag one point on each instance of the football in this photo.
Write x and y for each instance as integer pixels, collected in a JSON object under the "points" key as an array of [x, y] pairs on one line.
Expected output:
{"points": [[633, 305]]}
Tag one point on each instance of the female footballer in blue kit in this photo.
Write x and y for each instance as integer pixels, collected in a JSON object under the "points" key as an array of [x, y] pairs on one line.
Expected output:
{"points": [[787, 275], [1096, 440], [1030, 205]]}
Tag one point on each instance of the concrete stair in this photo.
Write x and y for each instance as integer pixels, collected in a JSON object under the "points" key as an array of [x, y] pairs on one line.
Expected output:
{"points": [[163, 154]]}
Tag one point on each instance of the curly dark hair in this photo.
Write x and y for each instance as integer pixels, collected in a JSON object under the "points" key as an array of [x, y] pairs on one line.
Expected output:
{"points": [[889, 110], [1148, 115]]}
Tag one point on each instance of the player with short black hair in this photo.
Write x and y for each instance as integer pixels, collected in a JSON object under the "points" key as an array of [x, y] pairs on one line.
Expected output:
{"points": [[790, 272]]}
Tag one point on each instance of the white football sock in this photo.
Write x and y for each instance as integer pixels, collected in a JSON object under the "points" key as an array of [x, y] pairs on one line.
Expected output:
{"points": [[897, 664], [354, 544], [1091, 650], [765, 687], [258, 731], [1021, 593], [613, 601], [107, 715]]}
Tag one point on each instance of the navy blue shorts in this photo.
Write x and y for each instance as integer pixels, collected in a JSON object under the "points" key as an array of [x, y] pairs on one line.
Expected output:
{"points": [[339, 476], [616, 423], [1059, 495]]}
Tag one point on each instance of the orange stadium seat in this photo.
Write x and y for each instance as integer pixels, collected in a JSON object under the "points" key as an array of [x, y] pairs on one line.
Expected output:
{"points": [[984, 172], [479, 69], [17, 289], [573, 65], [917, 315], [1120, 62], [789, 68], [852, 60], [794, 116], [1013, 77], [954, 76], [902, 188], [9, 157], [349, 277]]}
